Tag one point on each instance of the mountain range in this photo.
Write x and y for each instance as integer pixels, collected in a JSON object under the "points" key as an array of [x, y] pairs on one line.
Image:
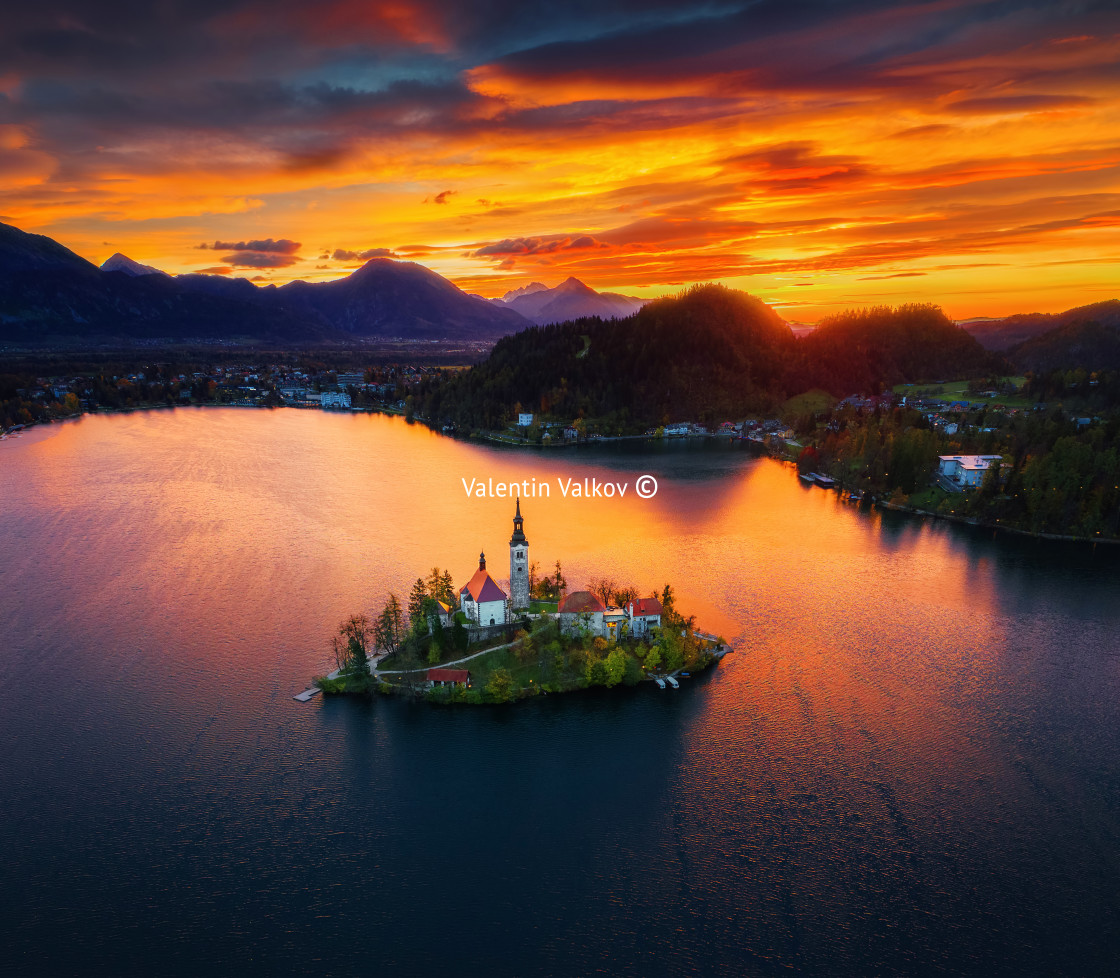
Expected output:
{"points": [[1004, 334], [51, 296], [571, 299]]}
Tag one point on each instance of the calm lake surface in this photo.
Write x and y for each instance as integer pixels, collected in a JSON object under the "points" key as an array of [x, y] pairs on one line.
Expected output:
{"points": [[910, 764]]}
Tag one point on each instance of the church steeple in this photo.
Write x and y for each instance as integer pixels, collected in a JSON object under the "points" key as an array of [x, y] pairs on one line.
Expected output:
{"points": [[518, 537], [482, 561], [518, 562]]}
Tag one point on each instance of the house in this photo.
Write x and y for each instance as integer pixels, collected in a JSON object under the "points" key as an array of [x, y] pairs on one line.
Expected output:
{"points": [[442, 612], [335, 399], [524, 420], [581, 611], [965, 470], [481, 600], [449, 677], [614, 623], [644, 614]]}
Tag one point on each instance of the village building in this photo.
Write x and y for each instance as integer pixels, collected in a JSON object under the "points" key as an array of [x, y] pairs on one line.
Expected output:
{"points": [[965, 471], [449, 677], [481, 600], [615, 623], [581, 611], [644, 614]]}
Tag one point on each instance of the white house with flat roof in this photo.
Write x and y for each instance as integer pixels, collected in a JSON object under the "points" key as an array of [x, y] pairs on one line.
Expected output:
{"points": [[966, 470]]}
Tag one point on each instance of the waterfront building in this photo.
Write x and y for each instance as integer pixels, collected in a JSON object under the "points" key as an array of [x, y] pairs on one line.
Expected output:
{"points": [[966, 470], [449, 677]]}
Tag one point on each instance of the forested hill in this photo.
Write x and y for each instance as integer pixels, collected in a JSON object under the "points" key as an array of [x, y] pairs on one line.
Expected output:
{"points": [[709, 354], [867, 350]]}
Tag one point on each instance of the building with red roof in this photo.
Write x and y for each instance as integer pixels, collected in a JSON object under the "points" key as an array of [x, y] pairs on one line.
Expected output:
{"points": [[644, 614], [449, 677], [581, 611], [481, 600]]}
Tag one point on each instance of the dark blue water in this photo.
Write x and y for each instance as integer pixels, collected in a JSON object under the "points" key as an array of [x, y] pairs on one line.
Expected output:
{"points": [[909, 766]]}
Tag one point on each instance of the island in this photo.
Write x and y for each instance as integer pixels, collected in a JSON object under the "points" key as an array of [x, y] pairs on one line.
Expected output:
{"points": [[479, 645]]}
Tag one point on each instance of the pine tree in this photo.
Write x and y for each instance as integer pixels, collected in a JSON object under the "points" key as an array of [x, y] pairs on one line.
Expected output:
{"points": [[416, 601]]}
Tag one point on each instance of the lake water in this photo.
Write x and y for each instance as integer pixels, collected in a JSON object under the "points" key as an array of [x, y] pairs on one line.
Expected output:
{"points": [[909, 765]]}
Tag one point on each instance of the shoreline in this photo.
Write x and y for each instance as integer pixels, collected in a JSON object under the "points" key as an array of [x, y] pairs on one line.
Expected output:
{"points": [[485, 437], [985, 525], [667, 680]]}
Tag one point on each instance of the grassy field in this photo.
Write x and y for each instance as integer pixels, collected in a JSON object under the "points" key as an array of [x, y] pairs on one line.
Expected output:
{"points": [[957, 390], [811, 402]]}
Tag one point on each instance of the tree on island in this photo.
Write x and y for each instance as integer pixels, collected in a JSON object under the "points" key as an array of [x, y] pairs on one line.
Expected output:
{"points": [[603, 588], [500, 687], [389, 629], [351, 651], [416, 598]]}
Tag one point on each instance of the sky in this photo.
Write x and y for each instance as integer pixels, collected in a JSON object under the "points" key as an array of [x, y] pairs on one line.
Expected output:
{"points": [[819, 155]]}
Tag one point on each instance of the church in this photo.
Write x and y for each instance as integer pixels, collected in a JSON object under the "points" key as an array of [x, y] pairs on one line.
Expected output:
{"points": [[482, 600]]}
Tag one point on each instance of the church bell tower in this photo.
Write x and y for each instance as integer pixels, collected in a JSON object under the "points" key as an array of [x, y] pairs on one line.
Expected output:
{"points": [[518, 563]]}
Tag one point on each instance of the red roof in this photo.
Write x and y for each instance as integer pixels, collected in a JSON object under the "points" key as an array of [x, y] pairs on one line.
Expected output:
{"points": [[581, 602], [481, 587], [646, 606], [449, 675]]}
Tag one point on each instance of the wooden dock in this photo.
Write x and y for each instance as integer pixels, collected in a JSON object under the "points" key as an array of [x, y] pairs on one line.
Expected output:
{"points": [[307, 694]]}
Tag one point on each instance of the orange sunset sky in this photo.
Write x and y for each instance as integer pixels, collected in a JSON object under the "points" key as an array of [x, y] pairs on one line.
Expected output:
{"points": [[818, 155]]}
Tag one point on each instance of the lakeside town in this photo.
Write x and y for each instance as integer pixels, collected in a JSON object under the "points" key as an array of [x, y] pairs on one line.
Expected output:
{"points": [[1029, 454]]}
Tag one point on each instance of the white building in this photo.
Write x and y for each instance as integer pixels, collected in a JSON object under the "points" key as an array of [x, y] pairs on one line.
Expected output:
{"points": [[481, 600], [966, 470], [583, 611], [644, 614], [524, 420], [335, 399]]}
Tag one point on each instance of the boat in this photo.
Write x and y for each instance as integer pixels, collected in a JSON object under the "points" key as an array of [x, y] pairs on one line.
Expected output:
{"points": [[807, 477], [672, 682], [823, 480], [684, 675], [660, 682]]}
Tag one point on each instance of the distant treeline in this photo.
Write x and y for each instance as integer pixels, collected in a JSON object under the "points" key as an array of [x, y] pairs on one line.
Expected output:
{"points": [[708, 354]]}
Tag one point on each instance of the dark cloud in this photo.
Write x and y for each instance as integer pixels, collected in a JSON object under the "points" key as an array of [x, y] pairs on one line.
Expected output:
{"points": [[537, 246], [341, 254], [260, 259], [441, 197], [281, 247], [214, 270]]}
